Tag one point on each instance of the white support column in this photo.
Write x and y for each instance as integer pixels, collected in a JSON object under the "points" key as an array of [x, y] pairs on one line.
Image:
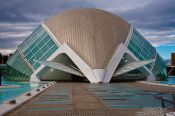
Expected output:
{"points": [[99, 73], [115, 60], [113, 63], [34, 78]]}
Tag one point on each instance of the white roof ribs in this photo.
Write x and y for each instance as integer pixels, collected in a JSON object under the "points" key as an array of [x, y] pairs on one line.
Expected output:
{"points": [[61, 67], [132, 66]]}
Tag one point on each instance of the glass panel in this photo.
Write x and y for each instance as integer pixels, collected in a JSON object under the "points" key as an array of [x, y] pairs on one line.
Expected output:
{"points": [[136, 54], [26, 52], [54, 48], [41, 44], [48, 54], [43, 58], [132, 43], [31, 61], [36, 65], [130, 48], [47, 38], [35, 50], [29, 55], [44, 49], [50, 43], [38, 55], [137, 49]]}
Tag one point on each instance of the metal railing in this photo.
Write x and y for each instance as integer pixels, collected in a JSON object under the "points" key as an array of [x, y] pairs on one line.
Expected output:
{"points": [[159, 96]]}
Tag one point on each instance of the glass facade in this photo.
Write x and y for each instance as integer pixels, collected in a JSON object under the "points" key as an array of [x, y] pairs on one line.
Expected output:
{"points": [[160, 68], [143, 50], [38, 46], [17, 69]]}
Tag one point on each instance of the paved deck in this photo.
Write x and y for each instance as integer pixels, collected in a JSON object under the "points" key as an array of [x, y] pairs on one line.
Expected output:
{"points": [[152, 87], [75, 99]]}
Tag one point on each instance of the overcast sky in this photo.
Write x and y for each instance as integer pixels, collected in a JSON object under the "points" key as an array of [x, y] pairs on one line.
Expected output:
{"points": [[154, 19]]}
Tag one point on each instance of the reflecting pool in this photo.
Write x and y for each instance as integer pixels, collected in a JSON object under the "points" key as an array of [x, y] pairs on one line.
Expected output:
{"points": [[9, 93]]}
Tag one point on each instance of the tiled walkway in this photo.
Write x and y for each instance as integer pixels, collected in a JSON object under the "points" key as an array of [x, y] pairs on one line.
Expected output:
{"points": [[70, 99]]}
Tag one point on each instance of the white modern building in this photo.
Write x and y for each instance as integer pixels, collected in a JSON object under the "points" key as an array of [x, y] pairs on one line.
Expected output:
{"points": [[87, 44]]}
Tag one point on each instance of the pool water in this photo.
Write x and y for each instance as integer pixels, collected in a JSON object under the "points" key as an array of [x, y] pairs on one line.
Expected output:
{"points": [[171, 80], [122, 95], [9, 93]]}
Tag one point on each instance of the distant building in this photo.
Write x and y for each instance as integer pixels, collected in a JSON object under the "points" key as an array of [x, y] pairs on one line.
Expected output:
{"points": [[4, 58], [171, 66], [3, 61], [168, 62], [173, 59], [1, 58], [87, 44]]}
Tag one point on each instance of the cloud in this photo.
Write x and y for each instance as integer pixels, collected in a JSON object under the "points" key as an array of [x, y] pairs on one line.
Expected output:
{"points": [[9, 44], [156, 15], [158, 38], [35, 10], [118, 6], [19, 18], [162, 40], [12, 34], [17, 26], [6, 51], [154, 19]]}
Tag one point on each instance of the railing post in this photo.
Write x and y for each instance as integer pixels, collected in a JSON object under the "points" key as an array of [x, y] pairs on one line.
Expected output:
{"points": [[163, 104], [173, 95], [173, 100]]}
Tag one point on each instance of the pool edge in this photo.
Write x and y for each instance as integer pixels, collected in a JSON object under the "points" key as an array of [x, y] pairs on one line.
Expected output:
{"points": [[7, 107]]}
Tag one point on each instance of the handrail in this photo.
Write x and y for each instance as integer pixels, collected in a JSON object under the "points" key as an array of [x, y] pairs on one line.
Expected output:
{"points": [[157, 96]]}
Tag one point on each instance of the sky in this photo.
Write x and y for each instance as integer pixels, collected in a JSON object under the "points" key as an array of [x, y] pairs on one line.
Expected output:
{"points": [[154, 19]]}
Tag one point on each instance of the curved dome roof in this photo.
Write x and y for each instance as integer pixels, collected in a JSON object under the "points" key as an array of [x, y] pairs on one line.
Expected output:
{"points": [[92, 33]]}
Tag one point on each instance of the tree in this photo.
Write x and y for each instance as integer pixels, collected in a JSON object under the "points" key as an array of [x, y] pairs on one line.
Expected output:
{"points": [[1, 58]]}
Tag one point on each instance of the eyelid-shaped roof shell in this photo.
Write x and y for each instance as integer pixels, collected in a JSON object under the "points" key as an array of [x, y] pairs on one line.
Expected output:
{"points": [[92, 33]]}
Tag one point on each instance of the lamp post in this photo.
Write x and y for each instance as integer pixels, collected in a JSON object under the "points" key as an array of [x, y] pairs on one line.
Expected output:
{"points": [[0, 78]]}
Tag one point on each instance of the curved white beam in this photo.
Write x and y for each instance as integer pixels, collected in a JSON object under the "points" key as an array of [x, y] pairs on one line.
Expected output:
{"points": [[61, 67], [116, 58], [132, 66], [113, 63]]}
